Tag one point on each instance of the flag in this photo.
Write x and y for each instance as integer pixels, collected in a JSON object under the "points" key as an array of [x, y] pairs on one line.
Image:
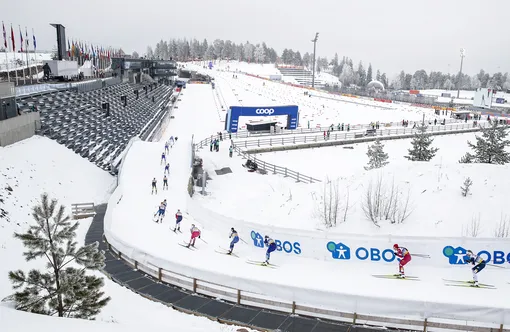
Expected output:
{"points": [[72, 48], [12, 39], [68, 49], [5, 36], [21, 40], [33, 37], [26, 39]]}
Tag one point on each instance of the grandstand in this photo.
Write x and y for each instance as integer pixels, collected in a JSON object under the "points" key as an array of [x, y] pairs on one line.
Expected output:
{"points": [[98, 124], [300, 75]]}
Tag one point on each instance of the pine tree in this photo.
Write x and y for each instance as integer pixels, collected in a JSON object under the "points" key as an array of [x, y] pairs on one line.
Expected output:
{"points": [[490, 148], [377, 158], [369, 73], [421, 150], [62, 289], [466, 186]]}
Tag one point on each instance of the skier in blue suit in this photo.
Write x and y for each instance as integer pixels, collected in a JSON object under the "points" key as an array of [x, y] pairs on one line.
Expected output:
{"points": [[235, 238], [271, 246]]}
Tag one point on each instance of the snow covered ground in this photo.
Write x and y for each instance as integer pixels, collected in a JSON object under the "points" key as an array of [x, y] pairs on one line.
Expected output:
{"points": [[434, 189], [271, 200], [38, 165], [320, 110], [10, 58]]}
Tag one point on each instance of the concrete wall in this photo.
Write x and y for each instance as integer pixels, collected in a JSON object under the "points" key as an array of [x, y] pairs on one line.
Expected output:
{"points": [[19, 128]]}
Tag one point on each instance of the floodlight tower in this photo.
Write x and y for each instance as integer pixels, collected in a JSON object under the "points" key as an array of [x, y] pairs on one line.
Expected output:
{"points": [[462, 55], [314, 48]]}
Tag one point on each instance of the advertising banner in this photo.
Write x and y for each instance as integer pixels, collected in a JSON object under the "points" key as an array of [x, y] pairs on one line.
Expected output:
{"points": [[483, 98], [370, 249], [234, 112]]}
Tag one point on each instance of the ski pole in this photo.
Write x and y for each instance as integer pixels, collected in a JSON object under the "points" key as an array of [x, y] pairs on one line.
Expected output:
{"points": [[494, 265], [243, 241], [421, 255], [203, 240]]}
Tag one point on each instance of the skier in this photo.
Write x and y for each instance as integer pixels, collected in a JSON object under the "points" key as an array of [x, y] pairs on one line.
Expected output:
{"points": [[479, 265], [166, 148], [171, 141], [195, 232], [161, 212], [178, 219], [235, 238], [165, 182], [405, 257], [271, 246], [167, 168], [163, 158], [230, 151], [154, 188]]}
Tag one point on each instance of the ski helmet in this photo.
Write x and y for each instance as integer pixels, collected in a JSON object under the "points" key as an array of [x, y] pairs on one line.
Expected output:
{"points": [[395, 246], [266, 237], [192, 225], [232, 229]]}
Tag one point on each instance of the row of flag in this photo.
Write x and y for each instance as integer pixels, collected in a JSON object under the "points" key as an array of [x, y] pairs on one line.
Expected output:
{"points": [[89, 51], [23, 42], [75, 49]]}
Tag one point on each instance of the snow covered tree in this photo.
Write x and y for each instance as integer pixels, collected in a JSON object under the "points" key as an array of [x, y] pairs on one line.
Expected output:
{"points": [[362, 74], [448, 85], [384, 80], [378, 76], [347, 75], [465, 188], [62, 288], [135, 55], [248, 50], [421, 149], [150, 53], [377, 158], [369, 73], [218, 47], [209, 54], [259, 54], [490, 148]]}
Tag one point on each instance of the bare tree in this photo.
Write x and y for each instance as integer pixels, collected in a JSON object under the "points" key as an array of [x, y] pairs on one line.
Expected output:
{"points": [[503, 228], [347, 205], [472, 229], [329, 207], [382, 203]]}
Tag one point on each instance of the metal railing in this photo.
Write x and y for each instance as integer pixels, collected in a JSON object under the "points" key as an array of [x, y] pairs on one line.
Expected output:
{"points": [[83, 210], [268, 167], [349, 135], [251, 299]]}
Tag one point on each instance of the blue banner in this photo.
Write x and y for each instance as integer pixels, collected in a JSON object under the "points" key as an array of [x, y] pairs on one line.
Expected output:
{"points": [[232, 121]]}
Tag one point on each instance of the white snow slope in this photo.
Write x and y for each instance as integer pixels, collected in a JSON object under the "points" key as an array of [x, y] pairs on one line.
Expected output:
{"points": [[38, 165], [130, 224]]}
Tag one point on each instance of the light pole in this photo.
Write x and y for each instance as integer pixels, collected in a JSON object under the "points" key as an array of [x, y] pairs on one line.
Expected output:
{"points": [[313, 68], [462, 55]]}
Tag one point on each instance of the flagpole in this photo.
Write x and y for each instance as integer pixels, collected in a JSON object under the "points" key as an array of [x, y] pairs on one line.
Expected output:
{"points": [[13, 43], [6, 51], [7, 64], [21, 49], [35, 57], [26, 55]]}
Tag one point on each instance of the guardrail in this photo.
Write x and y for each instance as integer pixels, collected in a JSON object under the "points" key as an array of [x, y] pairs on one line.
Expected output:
{"points": [[268, 167], [241, 297], [83, 210], [345, 135]]}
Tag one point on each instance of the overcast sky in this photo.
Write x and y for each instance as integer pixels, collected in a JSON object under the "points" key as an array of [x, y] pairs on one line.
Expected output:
{"points": [[392, 35]]}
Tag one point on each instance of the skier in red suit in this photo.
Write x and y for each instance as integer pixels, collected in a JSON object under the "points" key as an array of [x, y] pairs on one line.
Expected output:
{"points": [[405, 257]]}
